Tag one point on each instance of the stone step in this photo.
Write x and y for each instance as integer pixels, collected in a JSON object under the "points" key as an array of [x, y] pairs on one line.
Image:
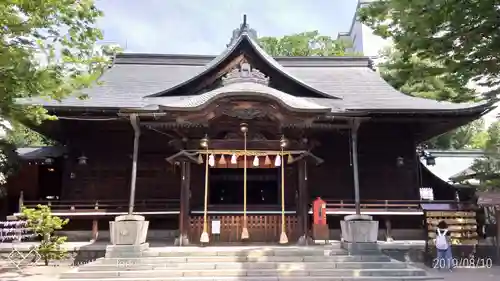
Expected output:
{"points": [[244, 265], [219, 259], [320, 251], [264, 278], [246, 272]]}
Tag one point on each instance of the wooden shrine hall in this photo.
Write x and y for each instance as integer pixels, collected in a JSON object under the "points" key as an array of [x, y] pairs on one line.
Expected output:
{"points": [[243, 139]]}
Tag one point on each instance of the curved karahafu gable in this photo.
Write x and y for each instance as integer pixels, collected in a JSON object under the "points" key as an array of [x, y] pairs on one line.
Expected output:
{"points": [[242, 83], [238, 46]]}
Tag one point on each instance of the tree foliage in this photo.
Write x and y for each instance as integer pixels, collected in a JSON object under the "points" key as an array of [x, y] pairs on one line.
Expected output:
{"points": [[22, 136], [41, 221], [47, 50], [305, 44], [487, 168], [425, 78], [462, 35]]}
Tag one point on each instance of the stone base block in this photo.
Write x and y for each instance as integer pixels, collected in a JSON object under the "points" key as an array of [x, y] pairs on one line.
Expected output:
{"points": [[126, 251], [359, 248], [128, 230], [364, 231], [182, 240], [359, 235], [305, 240]]}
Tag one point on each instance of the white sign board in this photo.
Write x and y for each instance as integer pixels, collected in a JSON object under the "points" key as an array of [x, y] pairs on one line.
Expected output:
{"points": [[216, 227]]}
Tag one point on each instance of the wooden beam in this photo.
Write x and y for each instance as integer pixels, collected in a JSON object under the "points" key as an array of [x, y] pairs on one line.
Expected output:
{"points": [[251, 145]]}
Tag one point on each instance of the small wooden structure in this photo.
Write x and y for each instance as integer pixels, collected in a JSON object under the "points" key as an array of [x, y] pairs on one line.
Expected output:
{"points": [[134, 145]]}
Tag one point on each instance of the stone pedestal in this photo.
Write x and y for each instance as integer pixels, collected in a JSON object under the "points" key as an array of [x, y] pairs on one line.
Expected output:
{"points": [[128, 235], [305, 240], [124, 252], [359, 234], [128, 230], [182, 240]]}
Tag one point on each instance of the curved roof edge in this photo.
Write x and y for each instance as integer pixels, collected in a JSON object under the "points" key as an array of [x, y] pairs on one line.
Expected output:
{"points": [[288, 101], [270, 60]]}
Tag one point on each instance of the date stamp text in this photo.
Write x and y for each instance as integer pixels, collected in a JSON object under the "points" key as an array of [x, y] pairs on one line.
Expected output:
{"points": [[472, 262]]}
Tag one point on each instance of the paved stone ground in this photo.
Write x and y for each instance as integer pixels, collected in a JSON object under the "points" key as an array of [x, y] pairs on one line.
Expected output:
{"points": [[51, 273], [469, 274], [8, 272]]}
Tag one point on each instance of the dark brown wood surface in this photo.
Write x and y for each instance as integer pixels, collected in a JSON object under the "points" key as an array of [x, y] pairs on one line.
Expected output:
{"points": [[262, 228]]}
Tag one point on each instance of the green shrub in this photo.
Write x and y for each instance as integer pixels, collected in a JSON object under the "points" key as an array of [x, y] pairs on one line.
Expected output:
{"points": [[41, 221]]}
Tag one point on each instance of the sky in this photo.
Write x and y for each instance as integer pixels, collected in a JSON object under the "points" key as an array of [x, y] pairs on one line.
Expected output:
{"points": [[205, 26]]}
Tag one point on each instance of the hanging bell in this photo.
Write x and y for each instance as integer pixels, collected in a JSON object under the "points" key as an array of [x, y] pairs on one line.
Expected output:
{"points": [[200, 158], [211, 160], [234, 159], [256, 161], [267, 161], [290, 158], [277, 161], [222, 160]]}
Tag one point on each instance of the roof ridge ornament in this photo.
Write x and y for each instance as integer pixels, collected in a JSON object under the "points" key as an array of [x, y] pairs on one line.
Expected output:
{"points": [[245, 73], [243, 29]]}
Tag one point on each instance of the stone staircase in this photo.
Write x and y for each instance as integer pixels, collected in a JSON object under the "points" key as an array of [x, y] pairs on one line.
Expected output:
{"points": [[246, 263]]}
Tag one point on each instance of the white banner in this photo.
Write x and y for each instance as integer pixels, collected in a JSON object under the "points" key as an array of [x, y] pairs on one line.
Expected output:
{"points": [[216, 227]]}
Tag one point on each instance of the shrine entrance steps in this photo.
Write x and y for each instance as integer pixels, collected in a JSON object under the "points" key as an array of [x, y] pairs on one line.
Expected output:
{"points": [[264, 263]]}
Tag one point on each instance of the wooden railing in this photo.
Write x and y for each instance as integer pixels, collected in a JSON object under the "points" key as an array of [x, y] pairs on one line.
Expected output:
{"points": [[383, 205], [238, 209], [261, 228], [76, 206]]}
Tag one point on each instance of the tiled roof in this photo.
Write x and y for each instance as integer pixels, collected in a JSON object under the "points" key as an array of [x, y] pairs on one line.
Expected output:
{"points": [[40, 152], [348, 84]]}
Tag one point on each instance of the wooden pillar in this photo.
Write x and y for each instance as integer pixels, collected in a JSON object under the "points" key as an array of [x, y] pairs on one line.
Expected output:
{"points": [[303, 203], [184, 206]]}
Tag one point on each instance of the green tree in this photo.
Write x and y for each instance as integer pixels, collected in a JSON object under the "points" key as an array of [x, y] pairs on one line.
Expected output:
{"points": [[47, 50], [305, 44], [462, 35], [44, 224], [20, 136], [425, 78], [487, 168]]}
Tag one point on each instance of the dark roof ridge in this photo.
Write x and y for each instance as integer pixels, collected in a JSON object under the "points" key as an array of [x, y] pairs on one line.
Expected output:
{"points": [[202, 60]]}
